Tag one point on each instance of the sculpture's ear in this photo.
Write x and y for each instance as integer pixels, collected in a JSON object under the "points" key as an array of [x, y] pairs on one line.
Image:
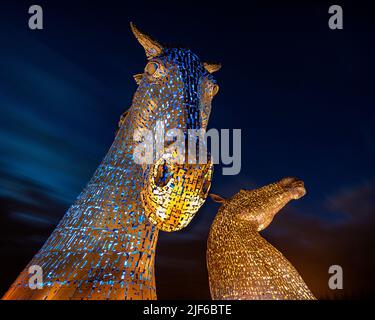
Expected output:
{"points": [[138, 77], [211, 67], [151, 46], [217, 198]]}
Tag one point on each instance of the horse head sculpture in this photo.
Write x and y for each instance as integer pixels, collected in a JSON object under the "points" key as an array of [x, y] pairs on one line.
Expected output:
{"points": [[104, 246], [175, 91]]}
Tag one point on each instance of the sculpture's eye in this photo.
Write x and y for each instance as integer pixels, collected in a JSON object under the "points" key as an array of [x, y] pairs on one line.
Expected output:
{"points": [[151, 68], [215, 90]]}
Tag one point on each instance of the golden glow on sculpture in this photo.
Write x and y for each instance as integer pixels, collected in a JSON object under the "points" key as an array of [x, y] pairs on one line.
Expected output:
{"points": [[174, 193], [104, 246], [243, 265]]}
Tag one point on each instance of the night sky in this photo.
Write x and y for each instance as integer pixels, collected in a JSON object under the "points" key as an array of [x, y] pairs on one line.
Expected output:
{"points": [[302, 94]]}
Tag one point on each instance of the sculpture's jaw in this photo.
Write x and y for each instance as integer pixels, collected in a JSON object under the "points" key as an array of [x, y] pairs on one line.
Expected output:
{"points": [[174, 193]]}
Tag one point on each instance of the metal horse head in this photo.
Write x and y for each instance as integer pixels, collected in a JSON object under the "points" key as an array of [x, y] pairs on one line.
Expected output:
{"points": [[176, 90]]}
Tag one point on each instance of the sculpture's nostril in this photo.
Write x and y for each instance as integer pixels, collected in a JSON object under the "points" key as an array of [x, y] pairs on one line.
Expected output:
{"points": [[163, 175]]}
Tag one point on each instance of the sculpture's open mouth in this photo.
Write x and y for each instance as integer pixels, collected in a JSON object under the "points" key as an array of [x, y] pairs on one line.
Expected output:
{"points": [[174, 192]]}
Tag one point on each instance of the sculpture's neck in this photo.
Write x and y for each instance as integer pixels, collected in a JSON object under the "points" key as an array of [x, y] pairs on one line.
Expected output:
{"points": [[104, 247], [106, 233]]}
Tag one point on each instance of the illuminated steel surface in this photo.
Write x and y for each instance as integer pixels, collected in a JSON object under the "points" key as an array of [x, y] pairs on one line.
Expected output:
{"points": [[104, 246], [172, 198], [243, 265]]}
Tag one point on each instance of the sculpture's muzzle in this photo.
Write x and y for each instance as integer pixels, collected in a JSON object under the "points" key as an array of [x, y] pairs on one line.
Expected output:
{"points": [[174, 192]]}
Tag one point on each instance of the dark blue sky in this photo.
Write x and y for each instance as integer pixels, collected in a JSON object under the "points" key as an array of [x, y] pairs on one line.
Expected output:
{"points": [[302, 94]]}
